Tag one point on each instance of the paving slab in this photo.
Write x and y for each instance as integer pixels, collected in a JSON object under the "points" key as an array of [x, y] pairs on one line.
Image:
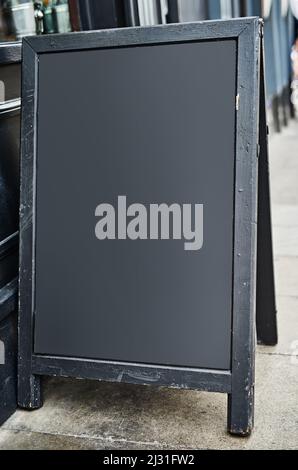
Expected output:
{"points": [[285, 241], [129, 416], [286, 276], [23, 440], [284, 215], [287, 318], [283, 165]]}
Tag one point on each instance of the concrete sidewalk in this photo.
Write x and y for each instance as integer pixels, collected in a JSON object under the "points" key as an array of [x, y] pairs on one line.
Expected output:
{"points": [[80, 414]]}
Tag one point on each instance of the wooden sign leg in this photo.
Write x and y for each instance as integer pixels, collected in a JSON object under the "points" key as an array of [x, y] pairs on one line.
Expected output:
{"points": [[265, 303], [29, 388], [241, 398]]}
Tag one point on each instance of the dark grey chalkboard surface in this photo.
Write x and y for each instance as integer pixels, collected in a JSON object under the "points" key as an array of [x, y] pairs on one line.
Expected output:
{"points": [[160, 115], [151, 123]]}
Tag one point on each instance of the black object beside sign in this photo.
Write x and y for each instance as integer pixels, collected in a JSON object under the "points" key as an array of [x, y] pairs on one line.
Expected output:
{"points": [[10, 71], [8, 350], [139, 209]]}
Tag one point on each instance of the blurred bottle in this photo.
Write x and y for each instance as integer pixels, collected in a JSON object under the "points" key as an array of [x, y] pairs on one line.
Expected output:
{"points": [[48, 17], [18, 18], [61, 16], [38, 14]]}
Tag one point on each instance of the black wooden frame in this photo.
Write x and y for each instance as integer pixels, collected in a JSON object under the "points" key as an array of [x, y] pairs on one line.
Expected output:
{"points": [[266, 320], [238, 383]]}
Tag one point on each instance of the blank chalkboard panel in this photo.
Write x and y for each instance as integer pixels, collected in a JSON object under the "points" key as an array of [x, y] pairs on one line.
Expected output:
{"points": [[155, 124]]}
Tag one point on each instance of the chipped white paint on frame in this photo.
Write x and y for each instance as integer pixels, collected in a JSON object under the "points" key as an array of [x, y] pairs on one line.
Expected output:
{"points": [[2, 353]]}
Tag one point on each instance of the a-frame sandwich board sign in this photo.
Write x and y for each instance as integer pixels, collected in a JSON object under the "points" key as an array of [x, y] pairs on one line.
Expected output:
{"points": [[139, 210]]}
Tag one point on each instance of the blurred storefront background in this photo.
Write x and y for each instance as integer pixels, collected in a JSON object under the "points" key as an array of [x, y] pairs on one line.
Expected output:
{"points": [[19, 18]]}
